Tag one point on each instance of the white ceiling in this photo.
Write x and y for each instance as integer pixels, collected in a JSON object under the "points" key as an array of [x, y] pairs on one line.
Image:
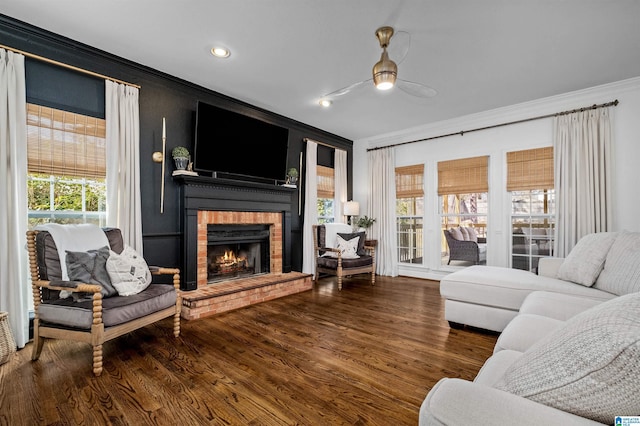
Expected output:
{"points": [[286, 54]]}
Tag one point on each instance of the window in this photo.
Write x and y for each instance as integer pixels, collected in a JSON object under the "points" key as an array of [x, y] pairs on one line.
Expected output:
{"points": [[463, 187], [325, 194], [66, 167], [530, 180], [410, 212]]}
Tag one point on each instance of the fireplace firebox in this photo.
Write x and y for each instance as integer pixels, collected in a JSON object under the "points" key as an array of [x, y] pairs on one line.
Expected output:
{"points": [[236, 251]]}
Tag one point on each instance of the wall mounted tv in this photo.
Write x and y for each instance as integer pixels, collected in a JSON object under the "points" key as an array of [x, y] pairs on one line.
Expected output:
{"points": [[233, 145]]}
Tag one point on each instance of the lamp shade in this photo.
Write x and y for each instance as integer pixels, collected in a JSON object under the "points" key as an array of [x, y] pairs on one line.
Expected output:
{"points": [[351, 208]]}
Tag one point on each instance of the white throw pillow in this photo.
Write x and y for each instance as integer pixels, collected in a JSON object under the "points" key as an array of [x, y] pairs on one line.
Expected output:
{"points": [[586, 259], [473, 235], [621, 273], [348, 248], [590, 366], [128, 271]]}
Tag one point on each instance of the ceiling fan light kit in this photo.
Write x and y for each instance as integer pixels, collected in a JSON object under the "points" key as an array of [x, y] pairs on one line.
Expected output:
{"points": [[385, 70]]}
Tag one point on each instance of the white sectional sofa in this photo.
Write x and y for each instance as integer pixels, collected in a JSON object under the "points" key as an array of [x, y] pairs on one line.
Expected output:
{"points": [[489, 297], [569, 348]]}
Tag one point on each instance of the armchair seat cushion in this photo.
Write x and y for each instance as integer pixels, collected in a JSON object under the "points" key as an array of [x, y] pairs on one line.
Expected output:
{"points": [[115, 310], [332, 262]]}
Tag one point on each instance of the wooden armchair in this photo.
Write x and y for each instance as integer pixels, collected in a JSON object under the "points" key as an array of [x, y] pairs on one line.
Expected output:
{"points": [[470, 251], [93, 319], [324, 237]]}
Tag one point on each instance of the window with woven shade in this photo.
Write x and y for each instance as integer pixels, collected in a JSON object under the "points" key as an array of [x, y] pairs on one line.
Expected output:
{"points": [[463, 176], [530, 181], [530, 169], [410, 213], [463, 186], [326, 191], [66, 165]]}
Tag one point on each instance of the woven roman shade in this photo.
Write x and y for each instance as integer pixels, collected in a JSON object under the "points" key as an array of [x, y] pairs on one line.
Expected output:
{"points": [[65, 144], [530, 169], [409, 181], [325, 182], [463, 176]]}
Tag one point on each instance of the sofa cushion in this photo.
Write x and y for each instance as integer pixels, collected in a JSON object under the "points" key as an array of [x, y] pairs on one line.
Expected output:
{"points": [[524, 331], [504, 287], [586, 260], [621, 273], [589, 367], [115, 310]]}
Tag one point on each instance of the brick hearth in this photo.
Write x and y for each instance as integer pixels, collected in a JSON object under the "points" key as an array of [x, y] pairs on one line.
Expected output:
{"points": [[234, 294]]}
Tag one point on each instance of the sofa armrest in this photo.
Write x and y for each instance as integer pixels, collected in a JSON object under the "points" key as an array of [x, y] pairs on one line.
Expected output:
{"points": [[460, 402], [549, 266]]}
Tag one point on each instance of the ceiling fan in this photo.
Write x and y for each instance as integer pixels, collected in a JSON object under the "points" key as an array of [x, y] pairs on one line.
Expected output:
{"points": [[385, 73]]}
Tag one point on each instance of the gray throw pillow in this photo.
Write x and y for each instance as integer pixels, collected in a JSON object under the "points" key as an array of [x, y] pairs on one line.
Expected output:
{"points": [[590, 366], [347, 237], [90, 267]]}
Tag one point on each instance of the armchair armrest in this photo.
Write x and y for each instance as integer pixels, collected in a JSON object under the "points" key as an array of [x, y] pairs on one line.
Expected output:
{"points": [[70, 286]]}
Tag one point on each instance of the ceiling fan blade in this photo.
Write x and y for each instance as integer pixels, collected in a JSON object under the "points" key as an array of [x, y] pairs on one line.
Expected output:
{"points": [[415, 89], [399, 46], [347, 89]]}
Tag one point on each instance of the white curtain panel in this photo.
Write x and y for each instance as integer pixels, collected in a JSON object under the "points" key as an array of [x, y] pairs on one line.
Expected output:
{"points": [[340, 185], [14, 284], [123, 162], [310, 208], [582, 162], [382, 207]]}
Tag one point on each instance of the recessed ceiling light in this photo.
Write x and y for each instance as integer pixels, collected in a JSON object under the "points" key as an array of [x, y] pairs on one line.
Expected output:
{"points": [[220, 52], [326, 103]]}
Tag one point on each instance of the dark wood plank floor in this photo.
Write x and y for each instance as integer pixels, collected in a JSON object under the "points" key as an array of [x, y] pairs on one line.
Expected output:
{"points": [[361, 356]]}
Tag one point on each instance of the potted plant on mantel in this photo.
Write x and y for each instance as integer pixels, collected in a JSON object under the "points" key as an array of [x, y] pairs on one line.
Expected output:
{"points": [[292, 176], [181, 157]]}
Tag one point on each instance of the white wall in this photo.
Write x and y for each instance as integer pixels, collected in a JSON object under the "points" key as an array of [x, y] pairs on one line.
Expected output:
{"points": [[495, 143]]}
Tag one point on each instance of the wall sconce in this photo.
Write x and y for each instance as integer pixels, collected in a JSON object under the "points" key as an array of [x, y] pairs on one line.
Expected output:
{"points": [[158, 157], [349, 209]]}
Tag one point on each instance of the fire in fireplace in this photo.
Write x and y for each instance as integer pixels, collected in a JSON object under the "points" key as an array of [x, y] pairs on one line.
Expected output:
{"points": [[236, 251]]}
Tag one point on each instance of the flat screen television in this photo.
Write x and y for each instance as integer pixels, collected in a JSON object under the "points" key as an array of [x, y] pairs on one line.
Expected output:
{"points": [[230, 144]]}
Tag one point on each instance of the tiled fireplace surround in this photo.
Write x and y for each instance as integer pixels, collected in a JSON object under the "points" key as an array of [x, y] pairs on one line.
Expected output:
{"points": [[219, 201]]}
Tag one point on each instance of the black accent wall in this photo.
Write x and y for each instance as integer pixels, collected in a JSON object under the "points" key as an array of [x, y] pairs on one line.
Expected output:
{"points": [[162, 95]]}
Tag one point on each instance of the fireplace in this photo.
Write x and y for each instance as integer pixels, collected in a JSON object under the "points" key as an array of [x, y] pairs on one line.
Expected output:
{"points": [[213, 201], [236, 251]]}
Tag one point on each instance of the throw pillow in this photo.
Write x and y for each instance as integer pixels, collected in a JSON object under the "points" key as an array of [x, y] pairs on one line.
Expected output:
{"points": [[128, 271], [621, 273], [90, 267], [348, 248], [456, 234], [361, 235], [586, 259], [473, 235], [464, 232], [590, 366]]}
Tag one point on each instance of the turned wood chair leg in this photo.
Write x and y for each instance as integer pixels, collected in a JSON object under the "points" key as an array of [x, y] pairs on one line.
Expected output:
{"points": [[97, 360], [339, 282], [176, 324], [373, 278], [38, 344]]}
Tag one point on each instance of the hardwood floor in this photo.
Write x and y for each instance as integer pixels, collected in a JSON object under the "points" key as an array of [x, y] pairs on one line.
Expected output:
{"points": [[362, 356]]}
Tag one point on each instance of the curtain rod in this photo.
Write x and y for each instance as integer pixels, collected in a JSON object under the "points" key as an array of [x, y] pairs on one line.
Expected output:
{"points": [[462, 132], [320, 143], [71, 67]]}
